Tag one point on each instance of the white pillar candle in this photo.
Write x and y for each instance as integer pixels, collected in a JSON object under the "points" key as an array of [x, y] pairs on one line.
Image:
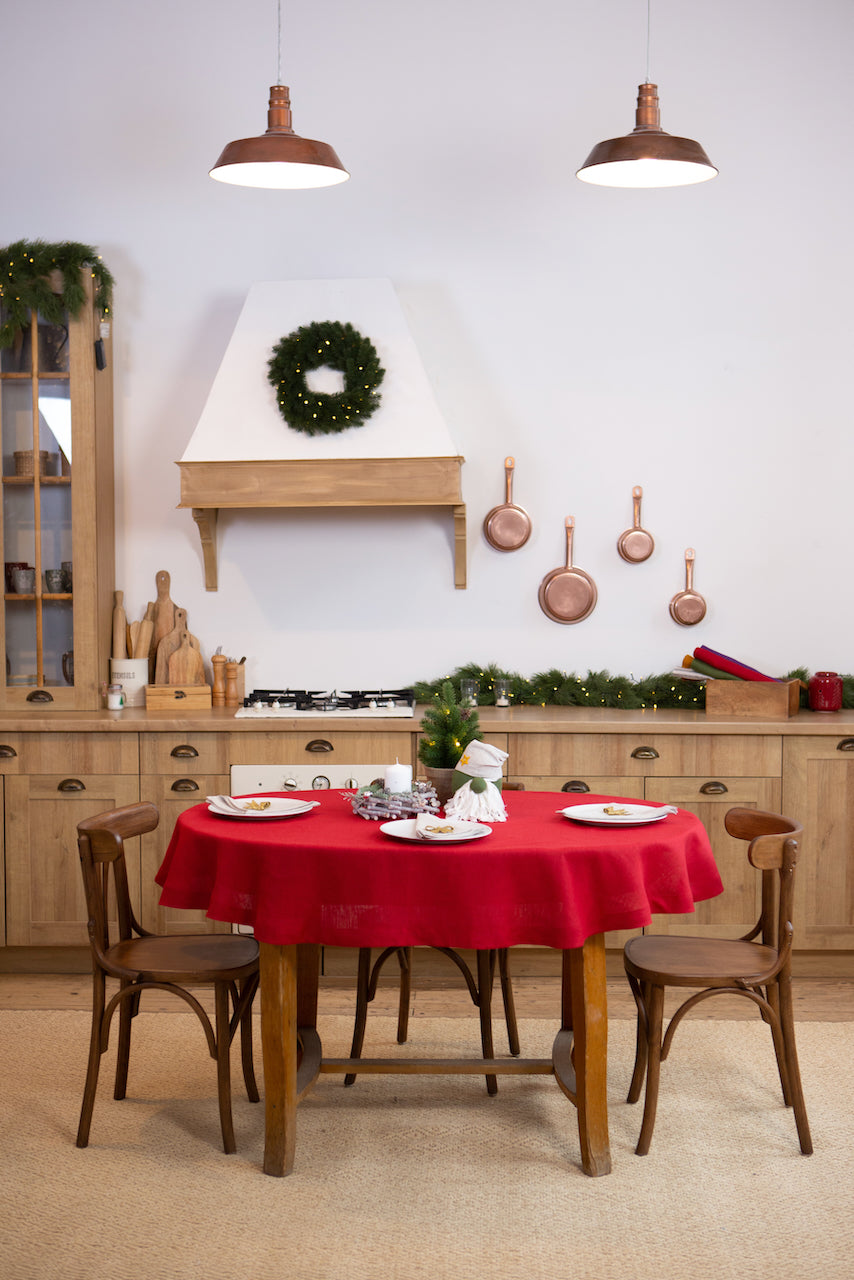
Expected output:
{"points": [[398, 777]]}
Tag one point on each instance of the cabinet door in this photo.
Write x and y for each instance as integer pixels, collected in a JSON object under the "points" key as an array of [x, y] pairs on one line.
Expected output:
{"points": [[818, 792], [45, 905], [172, 796], [735, 911], [57, 512]]}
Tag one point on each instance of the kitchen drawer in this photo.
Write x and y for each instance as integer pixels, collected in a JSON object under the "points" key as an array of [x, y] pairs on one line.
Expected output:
{"points": [[315, 744], [575, 755], [10, 752], [179, 753], [577, 789], [73, 753]]}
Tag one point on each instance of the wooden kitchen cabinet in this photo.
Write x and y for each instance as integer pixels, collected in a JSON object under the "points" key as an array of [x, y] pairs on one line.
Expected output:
{"points": [[57, 511], [67, 777], [706, 774], [818, 790]]}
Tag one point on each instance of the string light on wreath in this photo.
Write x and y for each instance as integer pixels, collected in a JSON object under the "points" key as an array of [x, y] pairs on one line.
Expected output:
{"points": [[338, 346]]}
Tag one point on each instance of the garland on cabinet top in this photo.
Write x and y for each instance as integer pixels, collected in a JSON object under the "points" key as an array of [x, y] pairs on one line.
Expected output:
{"points": [[340, 347], [597, 689], [25, 268]]}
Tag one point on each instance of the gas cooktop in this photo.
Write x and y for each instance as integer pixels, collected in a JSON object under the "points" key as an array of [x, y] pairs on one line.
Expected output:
{"points": [[288, 703]]}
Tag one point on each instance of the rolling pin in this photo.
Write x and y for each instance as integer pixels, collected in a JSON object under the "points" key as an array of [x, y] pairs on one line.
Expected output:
{"points": [[120, 626], [146, 630]]}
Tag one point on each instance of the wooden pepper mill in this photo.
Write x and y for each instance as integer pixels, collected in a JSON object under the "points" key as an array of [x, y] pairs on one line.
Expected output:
{"points": [[218, 662], [231, 696]]}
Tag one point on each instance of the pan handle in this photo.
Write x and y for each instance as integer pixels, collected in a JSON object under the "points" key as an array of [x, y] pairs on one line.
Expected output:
{"points": [[570, 525], [637, 494], [689, 568], [509, 467]]}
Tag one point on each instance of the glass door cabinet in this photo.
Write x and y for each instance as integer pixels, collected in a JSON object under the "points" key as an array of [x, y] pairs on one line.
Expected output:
{"points": [[57, 528]]}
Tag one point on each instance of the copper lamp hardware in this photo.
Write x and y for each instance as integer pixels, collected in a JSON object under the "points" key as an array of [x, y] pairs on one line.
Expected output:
{"points": [[647, 157], [279, 158]]}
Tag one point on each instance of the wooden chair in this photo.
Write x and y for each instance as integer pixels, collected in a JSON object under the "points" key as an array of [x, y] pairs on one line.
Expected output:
{"points": [[140, 960], [757, 966], [366, 989], [368, 976]]}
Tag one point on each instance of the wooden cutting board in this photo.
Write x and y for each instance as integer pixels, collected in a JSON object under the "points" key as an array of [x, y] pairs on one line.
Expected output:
{"points": [[164, 613], [168, 646], [185, 664]]}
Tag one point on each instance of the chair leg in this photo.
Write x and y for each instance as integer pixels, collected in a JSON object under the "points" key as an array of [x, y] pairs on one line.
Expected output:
{"points": [[127, 1010], [94, 1063], [363, 975], [246, 1056], [655, 1015], [787, 1022], [485, 975], [223, 1069], [404, 958], [509, 1002], [640, 1040]]}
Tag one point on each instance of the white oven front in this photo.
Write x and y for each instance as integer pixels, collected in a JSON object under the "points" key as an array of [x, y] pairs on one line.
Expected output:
{"points": [[246, 778]]}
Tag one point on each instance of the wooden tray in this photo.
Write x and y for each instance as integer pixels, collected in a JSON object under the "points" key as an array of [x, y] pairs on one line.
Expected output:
{"points": [[171, 697], [764, 699]]}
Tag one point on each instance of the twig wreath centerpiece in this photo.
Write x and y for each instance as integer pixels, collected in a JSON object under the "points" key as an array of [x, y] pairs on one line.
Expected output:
{"points": [[25, 286], [340, 347]]}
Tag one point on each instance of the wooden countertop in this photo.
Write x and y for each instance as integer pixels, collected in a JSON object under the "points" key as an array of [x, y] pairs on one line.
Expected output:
{"points": [[493, 720]]}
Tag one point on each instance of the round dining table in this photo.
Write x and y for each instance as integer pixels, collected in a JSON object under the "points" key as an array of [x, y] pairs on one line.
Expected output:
{"points": [[328, 877]]}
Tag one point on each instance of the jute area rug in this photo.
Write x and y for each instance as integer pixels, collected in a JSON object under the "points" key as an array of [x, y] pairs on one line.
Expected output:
{"points": [[404, 1178]]}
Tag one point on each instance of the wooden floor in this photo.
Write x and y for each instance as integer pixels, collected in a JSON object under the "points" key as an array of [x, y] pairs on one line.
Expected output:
{"points": [[816, 999]]}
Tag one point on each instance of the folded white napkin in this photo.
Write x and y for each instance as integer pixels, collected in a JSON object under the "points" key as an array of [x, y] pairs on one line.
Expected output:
{"points": [[429, 826]]}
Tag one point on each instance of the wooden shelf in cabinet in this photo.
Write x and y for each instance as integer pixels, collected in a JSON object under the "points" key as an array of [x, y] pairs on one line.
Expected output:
{"points": [[46, 482]]}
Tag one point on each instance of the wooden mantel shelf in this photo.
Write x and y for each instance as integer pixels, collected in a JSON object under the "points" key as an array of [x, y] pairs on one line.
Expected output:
{"points": [[206, 487]]}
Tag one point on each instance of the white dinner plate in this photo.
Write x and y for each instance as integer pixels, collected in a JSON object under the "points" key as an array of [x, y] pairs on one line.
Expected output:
{"points": [[632, 815], [404, 829], [275, 807]]}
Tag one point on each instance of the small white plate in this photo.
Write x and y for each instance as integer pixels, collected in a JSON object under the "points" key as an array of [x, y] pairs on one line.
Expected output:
{"points": [[276, 807], [404, 829], [634, 816]]}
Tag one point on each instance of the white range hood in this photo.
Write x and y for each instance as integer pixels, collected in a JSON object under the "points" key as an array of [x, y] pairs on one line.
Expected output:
{"points": [[243, 453]]}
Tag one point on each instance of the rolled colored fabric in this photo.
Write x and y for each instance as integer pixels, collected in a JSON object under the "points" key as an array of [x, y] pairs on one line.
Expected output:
{"points": [[723, 663], [707, 669]]}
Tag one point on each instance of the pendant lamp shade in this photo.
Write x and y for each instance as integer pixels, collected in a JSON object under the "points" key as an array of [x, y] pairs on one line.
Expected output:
{"points": [[647, 157], [279, 158]]}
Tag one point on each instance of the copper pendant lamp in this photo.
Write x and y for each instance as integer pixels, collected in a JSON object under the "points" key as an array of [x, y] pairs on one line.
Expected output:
{"points": [[647, 157], [279, 158]]}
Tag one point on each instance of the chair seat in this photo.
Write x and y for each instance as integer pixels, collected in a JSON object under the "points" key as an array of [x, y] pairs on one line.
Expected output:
{"points": [[207, 957], [688, 962]]}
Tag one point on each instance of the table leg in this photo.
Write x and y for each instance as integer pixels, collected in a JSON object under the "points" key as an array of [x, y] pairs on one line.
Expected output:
{"points": [[279, 1050], [584, 985]]}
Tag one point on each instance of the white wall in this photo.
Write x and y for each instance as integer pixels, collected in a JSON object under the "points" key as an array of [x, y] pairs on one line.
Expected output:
{"points": [[695, 341]]}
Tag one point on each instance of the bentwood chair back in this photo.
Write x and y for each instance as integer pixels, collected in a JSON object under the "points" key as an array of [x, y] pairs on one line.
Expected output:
{"points": [[140, 960], [757, 967]]}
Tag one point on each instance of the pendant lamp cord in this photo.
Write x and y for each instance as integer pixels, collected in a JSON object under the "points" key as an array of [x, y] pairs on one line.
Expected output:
{"points": [[279, 47], [648, 8]]}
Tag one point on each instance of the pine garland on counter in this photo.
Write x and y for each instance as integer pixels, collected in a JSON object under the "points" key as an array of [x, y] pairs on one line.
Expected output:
{"points": [[596, 689]]}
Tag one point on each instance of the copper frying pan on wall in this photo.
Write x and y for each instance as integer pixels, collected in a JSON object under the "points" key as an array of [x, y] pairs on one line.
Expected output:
{"points": [[568, 595], [636, 545], [507, 527], [688, 607]]}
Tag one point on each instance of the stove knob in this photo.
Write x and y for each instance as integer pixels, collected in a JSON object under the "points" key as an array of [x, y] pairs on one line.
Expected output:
{"points": [[390, 703], [320, 783], [290, 784], [352, 782], [276, 704]]}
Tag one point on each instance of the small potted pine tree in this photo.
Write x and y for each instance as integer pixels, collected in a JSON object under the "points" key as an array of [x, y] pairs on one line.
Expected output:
{"points": [[447, 729]]}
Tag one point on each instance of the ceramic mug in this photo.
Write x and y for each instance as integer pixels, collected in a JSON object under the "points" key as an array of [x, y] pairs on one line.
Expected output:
{"points": [[23, 581]]}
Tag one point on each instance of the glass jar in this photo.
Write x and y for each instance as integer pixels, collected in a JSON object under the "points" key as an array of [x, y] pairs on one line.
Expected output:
{"points": [[825, 691]]}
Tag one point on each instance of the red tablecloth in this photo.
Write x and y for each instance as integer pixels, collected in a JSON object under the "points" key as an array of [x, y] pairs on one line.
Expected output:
{"points": [[332, 878]]}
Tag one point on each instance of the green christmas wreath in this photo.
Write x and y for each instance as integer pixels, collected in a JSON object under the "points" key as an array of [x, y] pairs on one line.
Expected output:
{"points": [[340, 347]]}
